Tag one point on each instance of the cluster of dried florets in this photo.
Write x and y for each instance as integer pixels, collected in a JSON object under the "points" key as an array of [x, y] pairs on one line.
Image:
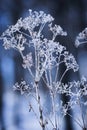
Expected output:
{"points": [[77, 92], [42, 57], [81, 38], [24, 88], [27, 32]]}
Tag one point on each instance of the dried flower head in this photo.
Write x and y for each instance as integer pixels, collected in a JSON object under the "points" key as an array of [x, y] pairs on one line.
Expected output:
{"points": [[81, 38]]}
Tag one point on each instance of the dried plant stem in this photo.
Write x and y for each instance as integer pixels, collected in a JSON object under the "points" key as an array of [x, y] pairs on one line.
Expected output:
{"points": [[41, 28], [64, 74], [81, 113], [75, 120], [25, 34], [56, 73], [40, 108], [54, 109]]}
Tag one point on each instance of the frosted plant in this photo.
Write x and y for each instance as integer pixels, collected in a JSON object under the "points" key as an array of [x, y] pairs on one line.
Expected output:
{"points": [[80, 86], [81, 38], [77, 92], [42, 58]]}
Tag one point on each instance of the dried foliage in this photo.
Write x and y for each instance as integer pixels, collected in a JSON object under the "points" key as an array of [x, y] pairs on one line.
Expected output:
{"points": [[42, 58]]}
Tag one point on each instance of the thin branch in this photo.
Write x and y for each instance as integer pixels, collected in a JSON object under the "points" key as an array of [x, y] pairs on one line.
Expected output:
{"points": [[64, 74], [75, 120], [54, 109], [24, 34], [40, 108]]}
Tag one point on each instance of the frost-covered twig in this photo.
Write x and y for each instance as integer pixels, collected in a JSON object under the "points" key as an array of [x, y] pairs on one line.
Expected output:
{"points": [[78, 92], [81, 38]]}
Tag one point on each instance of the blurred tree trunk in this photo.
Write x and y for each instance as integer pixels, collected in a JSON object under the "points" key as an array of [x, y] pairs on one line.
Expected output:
{"points": [[84, 128]]}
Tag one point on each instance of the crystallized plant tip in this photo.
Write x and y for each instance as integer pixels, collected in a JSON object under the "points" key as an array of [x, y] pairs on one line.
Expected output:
{"points": [[81, 38], [42, 58]]}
